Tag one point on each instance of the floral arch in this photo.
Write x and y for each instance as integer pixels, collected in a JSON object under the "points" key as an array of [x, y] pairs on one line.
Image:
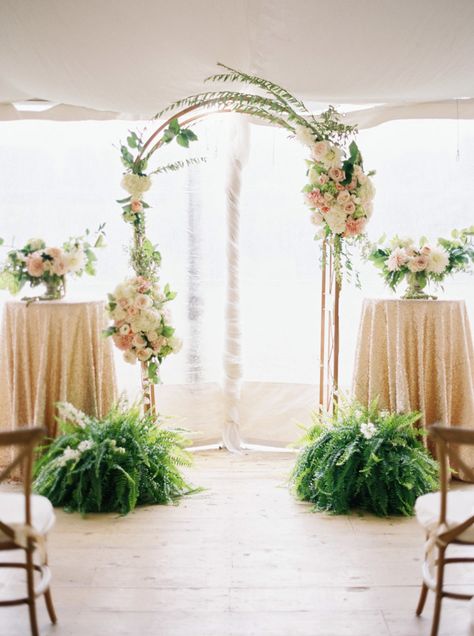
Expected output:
{"points": [[338, 192]]}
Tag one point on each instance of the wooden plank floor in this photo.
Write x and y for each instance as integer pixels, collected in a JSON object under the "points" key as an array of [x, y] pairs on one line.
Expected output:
{"points": [[239, 559]]}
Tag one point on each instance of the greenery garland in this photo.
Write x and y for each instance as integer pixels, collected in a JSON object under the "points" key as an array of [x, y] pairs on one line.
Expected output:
{"points": [[366, 459], [111, 464]]}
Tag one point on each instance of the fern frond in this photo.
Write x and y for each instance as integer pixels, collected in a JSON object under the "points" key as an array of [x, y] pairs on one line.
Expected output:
{"points": [[177, 165]]}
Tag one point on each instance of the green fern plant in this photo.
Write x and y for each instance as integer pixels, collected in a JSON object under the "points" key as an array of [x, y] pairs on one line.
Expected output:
{"points": [[111, 464], [364, 458]]}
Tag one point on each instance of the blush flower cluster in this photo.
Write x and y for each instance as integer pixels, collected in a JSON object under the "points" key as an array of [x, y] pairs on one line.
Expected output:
{"points": [[141, 322]]}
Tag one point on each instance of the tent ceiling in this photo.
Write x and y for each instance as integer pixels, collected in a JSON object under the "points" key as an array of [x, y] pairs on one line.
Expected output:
{"points": [[136, 57]]}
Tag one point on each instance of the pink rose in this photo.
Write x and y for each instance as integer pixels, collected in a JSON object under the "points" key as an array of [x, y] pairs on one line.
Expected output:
{"points": [[340, 187], [425, 250], [54, 252], [123, 342], [35, 265], [343, 197], [59, 266], [418, 263], [325, 209], [336, 174], [355, 226], [123, 302], [320, 149], [313, 198], [143, 284], [323, 178], [349, 207], [136, 206], [353, 184], [133, 311], [139, 341]]}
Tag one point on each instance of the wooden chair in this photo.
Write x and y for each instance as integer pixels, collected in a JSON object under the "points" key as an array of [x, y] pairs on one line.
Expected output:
{"points": [[25, 520], [448, 519]]}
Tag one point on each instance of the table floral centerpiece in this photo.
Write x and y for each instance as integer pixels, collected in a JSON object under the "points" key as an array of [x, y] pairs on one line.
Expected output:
{"points": [[422, 263], [36, 263]]}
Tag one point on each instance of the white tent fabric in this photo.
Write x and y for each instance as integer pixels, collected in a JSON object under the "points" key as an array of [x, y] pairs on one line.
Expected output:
{"points": [[113, 59], [135, 57]]}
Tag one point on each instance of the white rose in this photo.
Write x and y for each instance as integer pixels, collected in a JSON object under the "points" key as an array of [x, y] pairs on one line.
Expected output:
{"points": [[317, 218], [143, 301], [438, 260], [130, 357], [366, 191], [397, 259], [175, 343], [118, 313], [144, 354], [36, 244], [136, 184], [336, 219]]}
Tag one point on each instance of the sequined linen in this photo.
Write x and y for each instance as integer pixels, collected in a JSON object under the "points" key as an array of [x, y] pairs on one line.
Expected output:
{"points": [[417, 355], [49, 352]]}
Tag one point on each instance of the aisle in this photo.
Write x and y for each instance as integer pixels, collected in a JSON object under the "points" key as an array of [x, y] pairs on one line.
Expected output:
{"points": [[240, 559]]}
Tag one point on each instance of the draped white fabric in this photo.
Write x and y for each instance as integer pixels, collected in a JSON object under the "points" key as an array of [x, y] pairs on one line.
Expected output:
{"points": [[58, 178], [136, 57]]}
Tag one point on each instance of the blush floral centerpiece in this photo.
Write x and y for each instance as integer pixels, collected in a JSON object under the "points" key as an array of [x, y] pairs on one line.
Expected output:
{"points": [[423, 263], [38, 264]]}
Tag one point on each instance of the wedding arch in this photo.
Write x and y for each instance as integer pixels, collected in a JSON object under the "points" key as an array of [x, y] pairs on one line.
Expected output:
{"points": [[338, 192]]}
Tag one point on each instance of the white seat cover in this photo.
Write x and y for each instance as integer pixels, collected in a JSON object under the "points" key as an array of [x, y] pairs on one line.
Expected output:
{"points": [[12, 512], [460, 506]]}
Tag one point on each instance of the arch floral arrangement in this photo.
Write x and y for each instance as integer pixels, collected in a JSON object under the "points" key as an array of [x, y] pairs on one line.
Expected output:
{"points": [[339, 194]]}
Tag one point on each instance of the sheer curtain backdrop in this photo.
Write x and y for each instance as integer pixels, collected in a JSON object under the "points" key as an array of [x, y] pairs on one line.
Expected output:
{"points": [[57, 178]]}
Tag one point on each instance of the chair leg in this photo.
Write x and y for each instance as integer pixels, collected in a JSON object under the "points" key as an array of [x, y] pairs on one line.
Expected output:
{"points": [[50, 607], [30, 581], [438, 592], [422, 599]]}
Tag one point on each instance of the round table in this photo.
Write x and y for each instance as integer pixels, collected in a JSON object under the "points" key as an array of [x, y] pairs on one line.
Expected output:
{"points": [[52, 352], [417, 355]]}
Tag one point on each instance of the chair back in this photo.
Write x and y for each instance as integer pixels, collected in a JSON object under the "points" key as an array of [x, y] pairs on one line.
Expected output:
{"points": [[24, 442], [449, 442]]}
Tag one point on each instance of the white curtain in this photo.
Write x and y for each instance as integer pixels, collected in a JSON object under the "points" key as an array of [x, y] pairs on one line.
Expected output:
{"points": [[58, 178]]}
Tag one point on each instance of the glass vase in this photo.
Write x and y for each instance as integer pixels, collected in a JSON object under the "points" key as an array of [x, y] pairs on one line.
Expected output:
{"points": [[55, 289], [416, 285]]}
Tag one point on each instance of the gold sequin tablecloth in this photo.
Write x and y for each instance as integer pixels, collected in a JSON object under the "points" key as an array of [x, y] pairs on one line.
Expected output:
{"points": [[417, 355], [50, 352]]}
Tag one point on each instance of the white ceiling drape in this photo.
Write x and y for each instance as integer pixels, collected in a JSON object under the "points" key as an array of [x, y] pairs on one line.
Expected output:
{"points": [[129, 59]]}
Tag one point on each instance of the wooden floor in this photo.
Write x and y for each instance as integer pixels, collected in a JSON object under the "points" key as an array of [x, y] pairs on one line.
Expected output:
{"points": [[241, 558]]}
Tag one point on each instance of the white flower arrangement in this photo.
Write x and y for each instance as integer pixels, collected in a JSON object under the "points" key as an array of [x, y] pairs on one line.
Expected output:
{"points": [[36, 263], [424, 262], [141, 323], [339, 193]]}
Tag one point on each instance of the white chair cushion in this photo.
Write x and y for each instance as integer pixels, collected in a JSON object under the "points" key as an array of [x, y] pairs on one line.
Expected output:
{"points": [[12, 512], [460, 506]]}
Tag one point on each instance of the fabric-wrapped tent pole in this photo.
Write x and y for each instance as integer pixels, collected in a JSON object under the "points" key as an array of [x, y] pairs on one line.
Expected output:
{"points": [[239, 143]]}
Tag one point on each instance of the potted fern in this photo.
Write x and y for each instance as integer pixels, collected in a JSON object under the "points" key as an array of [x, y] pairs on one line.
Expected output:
{"points": [[111, 464], [365, 458]]}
